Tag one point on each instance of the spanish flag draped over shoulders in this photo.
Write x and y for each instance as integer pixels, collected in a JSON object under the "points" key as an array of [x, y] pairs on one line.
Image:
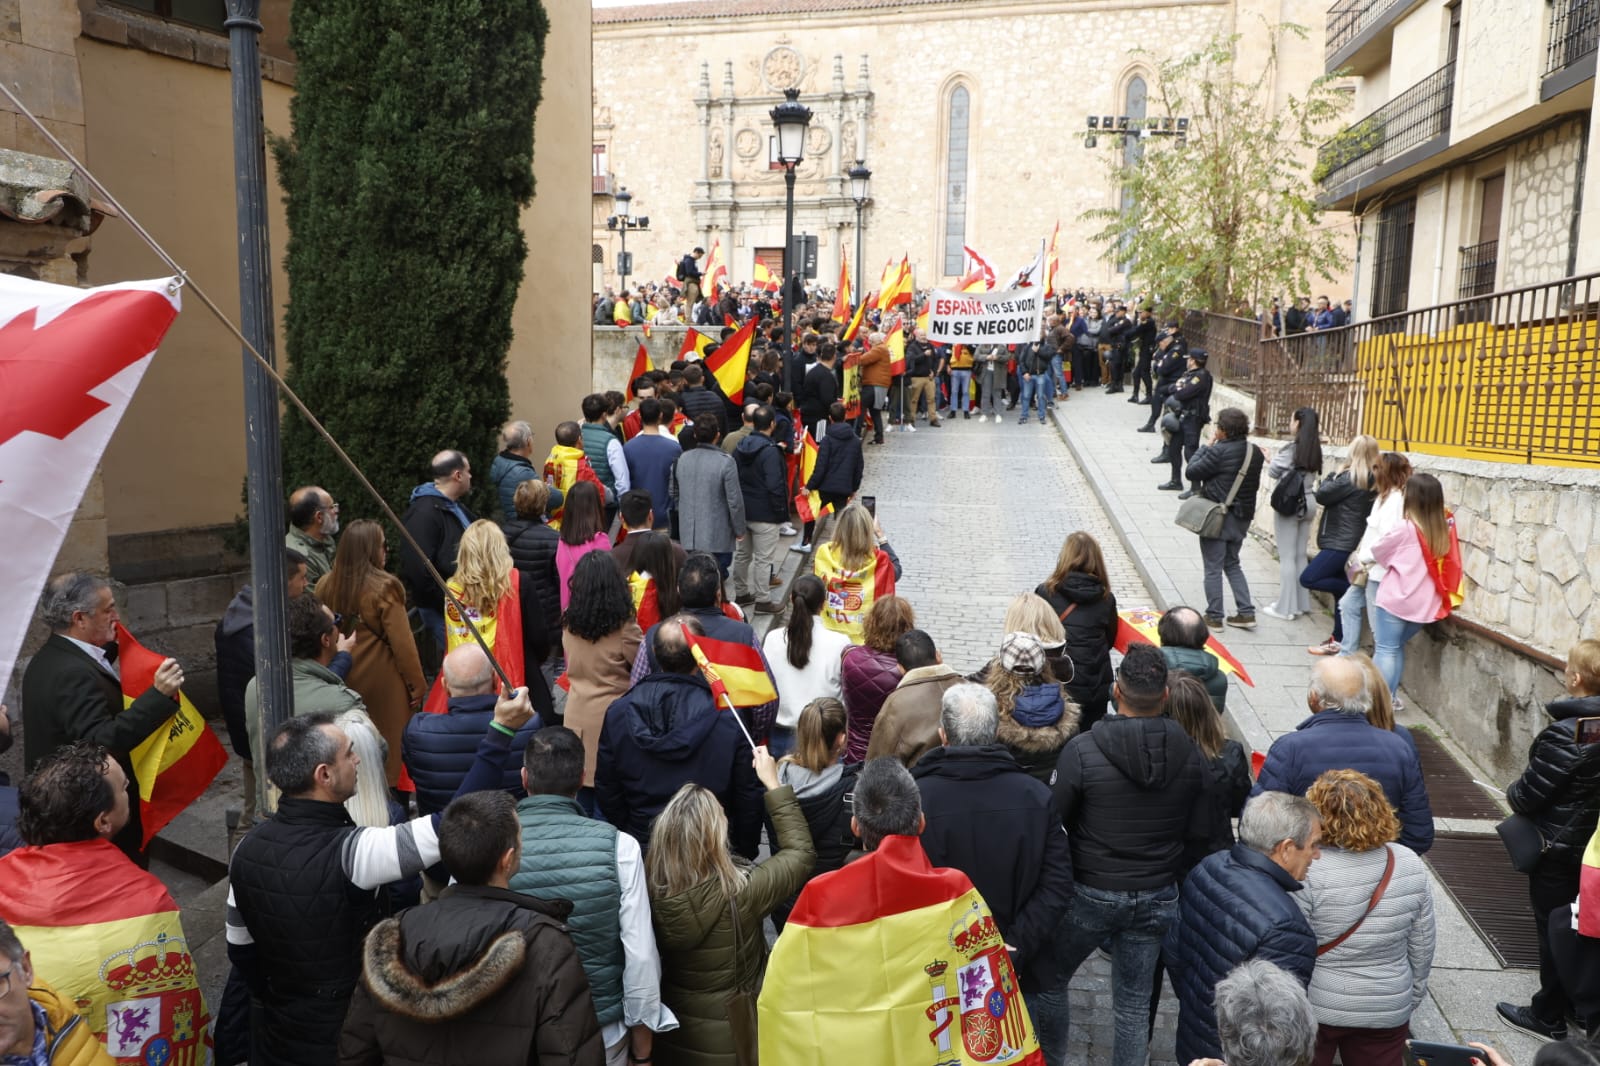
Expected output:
{"points": [[107, 936], [851, 593], [896, 962]]}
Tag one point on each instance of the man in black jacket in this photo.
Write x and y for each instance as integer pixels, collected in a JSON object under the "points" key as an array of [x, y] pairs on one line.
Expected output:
{"points": [[920, 365], [1192, 393], [1143, 339], [995, 822], [1216, 467], [697, 400], [819, 390], [72, 689], [1128, 792], [303, 885], [1118, 330], [436, 519], [766, 507], [689, 274], [483, 967], [1168, 362]]}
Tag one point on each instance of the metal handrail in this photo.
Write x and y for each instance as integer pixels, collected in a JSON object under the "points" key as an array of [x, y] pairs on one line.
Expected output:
{"points": [[1574, 33], [1347, 18], [1478, 263]]}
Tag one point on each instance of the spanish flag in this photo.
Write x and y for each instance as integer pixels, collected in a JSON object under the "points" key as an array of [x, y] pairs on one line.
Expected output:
{"points": [[107, 936], [850, 393], [855, 322], [974, 282], [177, 762], [641, 367], [808, 505], [922, 318], [896, 343], [850, 594], [736, 672], [841, 295], [1589, 889], [764, 279], [1137, 625], [622, 313], [893, 961], [716, 270], [694, 345], [731, 362], [1052, 263], [565, 466], [896, 287]]}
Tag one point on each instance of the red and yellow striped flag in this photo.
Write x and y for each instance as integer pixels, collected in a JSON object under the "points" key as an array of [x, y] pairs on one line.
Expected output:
{"points": [[939, 986], [716, 270], [808, 505], [107, 936], [763, 278], [851, 593], [896, 343], [177, 762], [622, 313], [731, 362], [841, 295], [694, 345], [735, 671], [854, 327]]}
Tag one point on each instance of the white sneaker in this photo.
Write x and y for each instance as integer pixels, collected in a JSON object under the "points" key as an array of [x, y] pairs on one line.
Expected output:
{"points": [[909, 428], [983, 418], [787, 530], [1272, 612]]}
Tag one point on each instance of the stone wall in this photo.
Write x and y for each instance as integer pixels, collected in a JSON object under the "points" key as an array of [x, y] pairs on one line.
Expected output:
{"points": [[1542, 177], [614, 352]]}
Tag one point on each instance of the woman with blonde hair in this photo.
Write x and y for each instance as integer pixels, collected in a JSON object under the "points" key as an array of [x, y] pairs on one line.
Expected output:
{"points": [[869, 671], [708, 907], [1558, 790], [386, 669], [1346, 499], [1370, 906], [1365, 572], [373, 806], [1079, 592], [502, 606], [1036, 716], [857, 568]]}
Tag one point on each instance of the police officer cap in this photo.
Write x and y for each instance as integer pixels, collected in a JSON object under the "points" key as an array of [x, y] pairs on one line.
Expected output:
{"points": [[1199, 355]]}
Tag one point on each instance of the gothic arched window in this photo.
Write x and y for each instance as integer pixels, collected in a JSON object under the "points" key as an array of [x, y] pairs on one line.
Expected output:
{"points": [[955, 187]]}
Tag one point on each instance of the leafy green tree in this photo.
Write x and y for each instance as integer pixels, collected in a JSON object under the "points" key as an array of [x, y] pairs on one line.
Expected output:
{"points": [[1229, 214], [410, 155]]}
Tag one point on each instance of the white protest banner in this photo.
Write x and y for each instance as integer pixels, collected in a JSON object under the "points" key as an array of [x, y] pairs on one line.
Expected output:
{"points": [[1011, 316]]}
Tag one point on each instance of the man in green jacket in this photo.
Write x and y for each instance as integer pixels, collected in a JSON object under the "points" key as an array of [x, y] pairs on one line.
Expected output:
{"points": [[314, 642], [1183, 635]]}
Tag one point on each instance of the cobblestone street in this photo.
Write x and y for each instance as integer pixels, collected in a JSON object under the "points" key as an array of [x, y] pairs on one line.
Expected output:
{"points": [[977, 513]]}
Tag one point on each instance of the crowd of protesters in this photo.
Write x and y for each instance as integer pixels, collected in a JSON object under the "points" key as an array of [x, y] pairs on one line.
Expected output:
{"points": [[512, 819]]}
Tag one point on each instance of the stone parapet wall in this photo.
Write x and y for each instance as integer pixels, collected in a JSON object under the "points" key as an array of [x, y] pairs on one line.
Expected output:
{"points": [[615, 349]]}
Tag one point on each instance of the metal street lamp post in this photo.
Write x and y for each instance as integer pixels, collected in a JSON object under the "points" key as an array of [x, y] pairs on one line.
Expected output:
{"points": [[790, 118], [622, 222], [860, 179]]}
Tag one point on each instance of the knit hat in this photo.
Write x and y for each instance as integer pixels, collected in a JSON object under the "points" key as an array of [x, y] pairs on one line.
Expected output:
{"points": [[1021, 653]]}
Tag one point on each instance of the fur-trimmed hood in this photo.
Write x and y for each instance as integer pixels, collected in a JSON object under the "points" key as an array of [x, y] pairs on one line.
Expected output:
{"points": [[1039, 739], [440, 962]]}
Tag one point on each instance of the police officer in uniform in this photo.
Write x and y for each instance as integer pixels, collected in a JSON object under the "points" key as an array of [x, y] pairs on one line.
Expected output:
{"points": [[1193, 392], [1171, 356]]}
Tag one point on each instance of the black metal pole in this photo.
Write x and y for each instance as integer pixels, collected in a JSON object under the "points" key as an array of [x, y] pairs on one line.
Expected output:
{"points": [[860, 295], [622, 260], [788, 245], [262, 454]]}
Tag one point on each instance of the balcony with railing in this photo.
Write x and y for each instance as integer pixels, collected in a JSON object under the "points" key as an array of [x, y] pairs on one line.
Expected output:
{"points": [[1574, 40], [1401, 133], [1354, 25]]}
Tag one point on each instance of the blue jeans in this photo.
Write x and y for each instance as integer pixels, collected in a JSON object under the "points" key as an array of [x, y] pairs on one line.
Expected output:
{"points": [[1135, 922], [1389, 635], [434, 621], [1357, 600], [1325, 573], [960, 390], [1035, 386], [1058, 380]]}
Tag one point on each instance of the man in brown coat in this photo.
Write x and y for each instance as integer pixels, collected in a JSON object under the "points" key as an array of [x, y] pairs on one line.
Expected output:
{"points": [[484, 966], [875, 379], [908, 723]]}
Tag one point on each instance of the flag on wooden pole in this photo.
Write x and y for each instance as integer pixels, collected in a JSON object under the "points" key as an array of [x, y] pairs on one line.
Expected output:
{"points": [[731, 362]]}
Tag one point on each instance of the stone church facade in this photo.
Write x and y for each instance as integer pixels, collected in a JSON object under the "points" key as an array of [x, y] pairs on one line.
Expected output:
{"points": [[967, 112]]}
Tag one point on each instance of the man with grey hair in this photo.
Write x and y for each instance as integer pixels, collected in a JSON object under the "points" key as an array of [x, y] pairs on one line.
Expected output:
{"points": [[512, 466], [1338, 736], [72, 689], [1263, 1018], [1236, 906], [438, 748], [995, 822]]}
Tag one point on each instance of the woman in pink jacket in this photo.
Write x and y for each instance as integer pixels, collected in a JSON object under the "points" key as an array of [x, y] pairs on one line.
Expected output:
{"points": [[1409, 596]]}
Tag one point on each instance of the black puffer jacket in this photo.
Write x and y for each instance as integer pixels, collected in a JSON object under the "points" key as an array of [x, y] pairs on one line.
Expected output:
{"points": [[839, 462], [1127, 791], [1344, 512], [1091, 631], [1559, 788], [432, 522], [483, 975], [1216, 465], [1228, 784], [990, 819], [533, 551]]}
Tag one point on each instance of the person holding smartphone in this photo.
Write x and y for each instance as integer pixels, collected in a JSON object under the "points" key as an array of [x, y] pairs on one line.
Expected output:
{"points": [[1559, 790]]}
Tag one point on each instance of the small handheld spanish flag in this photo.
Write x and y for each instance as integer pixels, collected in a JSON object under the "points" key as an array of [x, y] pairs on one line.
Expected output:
{"points": [[736, 673]]}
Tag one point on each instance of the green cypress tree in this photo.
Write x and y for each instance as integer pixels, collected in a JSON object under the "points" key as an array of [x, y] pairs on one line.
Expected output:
{"points": [[410, 155]]}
